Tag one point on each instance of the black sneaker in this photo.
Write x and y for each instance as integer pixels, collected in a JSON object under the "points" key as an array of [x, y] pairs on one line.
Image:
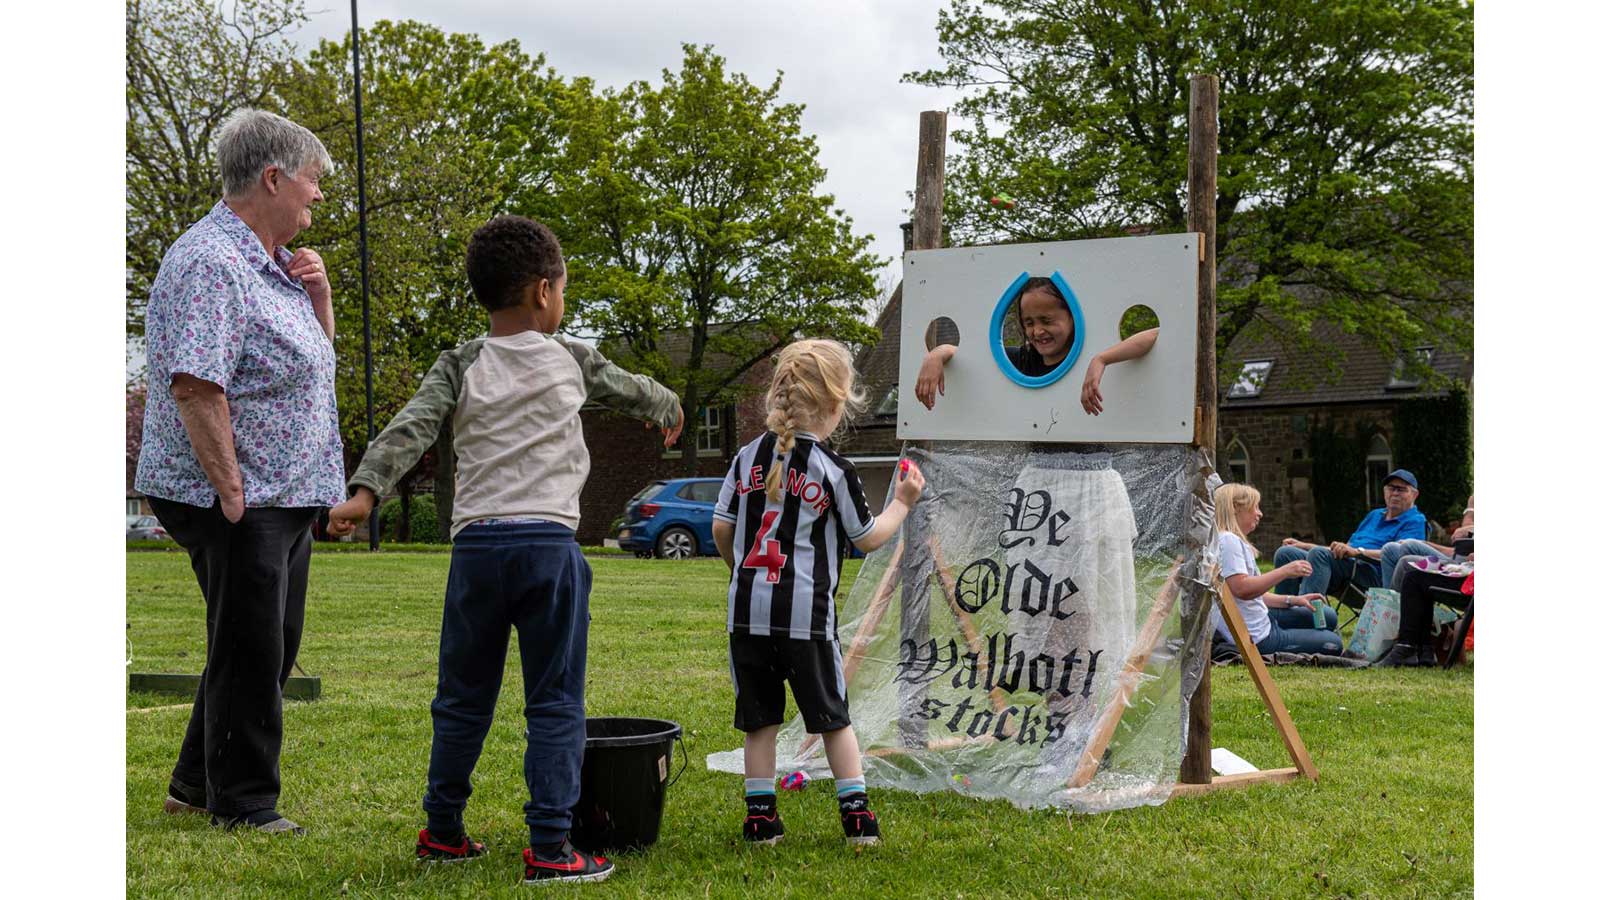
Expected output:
{"points": [[860, 825], [182, 799], [1407, 656], [763, 826], [568, 865], [430, 849], [267, 821]]}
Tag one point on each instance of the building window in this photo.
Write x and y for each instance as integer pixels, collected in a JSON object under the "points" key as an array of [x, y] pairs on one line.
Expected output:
{"points": [[1409, 368], [1252, 379], [891, 402], [708, 433], [1238, 463], [133, 507], [1380, 462]]}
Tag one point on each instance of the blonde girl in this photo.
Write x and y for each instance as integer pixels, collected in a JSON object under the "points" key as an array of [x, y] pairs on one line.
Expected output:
{"points": [[789, 509], [1286, 622]]}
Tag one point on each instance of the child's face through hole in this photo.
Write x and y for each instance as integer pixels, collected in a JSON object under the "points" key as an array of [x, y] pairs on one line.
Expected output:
{"points": [[1046, 325]]}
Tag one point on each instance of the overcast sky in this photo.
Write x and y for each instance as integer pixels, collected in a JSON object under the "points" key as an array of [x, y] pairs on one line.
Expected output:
{"points": [[841, 59]]}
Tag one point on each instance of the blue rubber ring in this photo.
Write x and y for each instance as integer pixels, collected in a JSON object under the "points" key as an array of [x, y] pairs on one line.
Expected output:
{"points": [[997, 327]]}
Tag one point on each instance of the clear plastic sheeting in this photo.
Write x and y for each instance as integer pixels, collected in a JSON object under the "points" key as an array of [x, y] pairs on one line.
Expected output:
{"points": [[1035, 631]]}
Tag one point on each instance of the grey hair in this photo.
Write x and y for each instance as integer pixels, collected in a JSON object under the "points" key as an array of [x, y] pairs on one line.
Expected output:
{"points": [[252, 139]]}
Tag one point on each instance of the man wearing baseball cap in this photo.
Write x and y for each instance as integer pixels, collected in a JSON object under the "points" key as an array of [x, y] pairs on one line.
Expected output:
{"points": [[1357, 560]]}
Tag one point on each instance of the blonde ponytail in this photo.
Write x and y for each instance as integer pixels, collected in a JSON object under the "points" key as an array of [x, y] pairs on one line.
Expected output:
{"points": [[811, 381]]}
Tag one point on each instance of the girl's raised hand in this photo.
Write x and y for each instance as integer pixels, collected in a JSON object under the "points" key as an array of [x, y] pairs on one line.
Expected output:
{"points": [[908, 489]]}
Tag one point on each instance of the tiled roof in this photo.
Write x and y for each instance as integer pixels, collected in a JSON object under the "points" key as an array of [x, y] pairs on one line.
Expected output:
{"points": [[1301, 376]]}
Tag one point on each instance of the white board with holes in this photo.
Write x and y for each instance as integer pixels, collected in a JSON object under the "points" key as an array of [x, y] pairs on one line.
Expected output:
{"points": [[1147, 400]]}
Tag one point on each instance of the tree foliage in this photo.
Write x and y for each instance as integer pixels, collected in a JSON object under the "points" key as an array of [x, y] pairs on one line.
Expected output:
{"points": [[1345, 171], [694, 206], [453, 129], [190, 63]]}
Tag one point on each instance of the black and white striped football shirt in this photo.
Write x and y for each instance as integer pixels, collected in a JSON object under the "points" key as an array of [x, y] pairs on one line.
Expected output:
{"points": [[788, 557]]}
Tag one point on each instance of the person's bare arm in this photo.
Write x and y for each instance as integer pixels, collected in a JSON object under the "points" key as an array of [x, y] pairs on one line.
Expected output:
{"points": [[1122, 351], [930, 377], [203, 408], [1249, 587], [906, 493], [307, 265], [722, 534]]}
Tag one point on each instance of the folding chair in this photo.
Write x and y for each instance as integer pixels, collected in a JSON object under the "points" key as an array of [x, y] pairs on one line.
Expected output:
{"points": [[1455, 600], [1353, 597]]}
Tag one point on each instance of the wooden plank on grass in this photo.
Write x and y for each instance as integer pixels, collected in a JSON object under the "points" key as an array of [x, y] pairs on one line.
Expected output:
{"points": [[299, 687]]}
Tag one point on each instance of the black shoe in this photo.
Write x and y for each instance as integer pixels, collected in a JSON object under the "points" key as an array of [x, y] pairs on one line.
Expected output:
{"points": [[267, 821], [860, 825], [567, 865], [182, 799], [1407, 656], [429, 849], [762, 824]]}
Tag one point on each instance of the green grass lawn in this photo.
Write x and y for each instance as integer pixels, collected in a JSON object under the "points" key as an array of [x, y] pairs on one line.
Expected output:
{"points": [[1392, 815]]}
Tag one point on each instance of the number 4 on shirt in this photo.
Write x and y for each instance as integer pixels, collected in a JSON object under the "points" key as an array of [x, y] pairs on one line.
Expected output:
{"points": [[765, 553]]}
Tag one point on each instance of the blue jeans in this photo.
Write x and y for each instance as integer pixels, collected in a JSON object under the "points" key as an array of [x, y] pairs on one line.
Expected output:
{"points": [[532, 577], [1297, 630], [1394, 550], [1328, 575]]}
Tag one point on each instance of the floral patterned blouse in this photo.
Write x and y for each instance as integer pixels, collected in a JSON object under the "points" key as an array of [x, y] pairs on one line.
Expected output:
{"points": [[223, 311]]}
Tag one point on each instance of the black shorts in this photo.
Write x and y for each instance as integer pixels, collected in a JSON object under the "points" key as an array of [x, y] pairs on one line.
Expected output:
{"points": [[761, 664]]}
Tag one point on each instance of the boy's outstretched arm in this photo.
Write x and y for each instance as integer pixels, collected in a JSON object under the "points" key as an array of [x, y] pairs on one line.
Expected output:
{"points": [[930, 377], [616, 388], [402, 443], [1122, 351], [907, 491]]}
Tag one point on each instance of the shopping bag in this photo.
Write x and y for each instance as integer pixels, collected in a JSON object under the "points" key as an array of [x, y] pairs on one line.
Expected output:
{"points": [[1378, 625]]}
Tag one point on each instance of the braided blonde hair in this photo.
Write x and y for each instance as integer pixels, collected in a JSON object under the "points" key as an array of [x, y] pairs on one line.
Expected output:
{"points": [[812, 380]]}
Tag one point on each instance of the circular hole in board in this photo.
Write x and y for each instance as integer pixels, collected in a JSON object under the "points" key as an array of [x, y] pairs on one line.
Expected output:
{"points": [[1135, 319], [942, 330]]}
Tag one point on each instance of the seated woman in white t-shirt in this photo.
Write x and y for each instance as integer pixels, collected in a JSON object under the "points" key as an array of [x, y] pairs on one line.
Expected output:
{"points": [[1276, 622]]}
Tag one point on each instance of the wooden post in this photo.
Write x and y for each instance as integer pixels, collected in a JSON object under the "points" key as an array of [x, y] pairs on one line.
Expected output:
{"points": [[1203, 106], [927, 233], [927, 219]]}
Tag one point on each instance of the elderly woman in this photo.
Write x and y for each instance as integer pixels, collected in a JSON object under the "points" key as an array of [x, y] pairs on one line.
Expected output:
{"points": [[241, 451]]}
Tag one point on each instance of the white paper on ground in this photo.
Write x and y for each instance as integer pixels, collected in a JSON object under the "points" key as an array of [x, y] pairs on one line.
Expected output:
{"points": [[1226, 762]]}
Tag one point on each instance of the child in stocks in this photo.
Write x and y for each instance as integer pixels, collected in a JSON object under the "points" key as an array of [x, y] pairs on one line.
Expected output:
{"points": [[513, 400], [1047, 330], [787, 509]]}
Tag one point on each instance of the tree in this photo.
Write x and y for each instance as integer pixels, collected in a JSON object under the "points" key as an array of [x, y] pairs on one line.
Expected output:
{"points": [[1345, 177], [453, 130], [694, 206], [190, 63]]}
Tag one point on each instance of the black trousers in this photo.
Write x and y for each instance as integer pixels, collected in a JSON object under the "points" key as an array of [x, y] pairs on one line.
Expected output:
{"points": [[1416, 607], [253, 577]]}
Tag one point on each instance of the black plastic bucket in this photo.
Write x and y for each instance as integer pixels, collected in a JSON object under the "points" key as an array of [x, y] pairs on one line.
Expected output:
{"points": [[625, 766]]}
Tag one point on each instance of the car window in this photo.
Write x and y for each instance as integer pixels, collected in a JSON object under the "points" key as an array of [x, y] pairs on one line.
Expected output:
{"points": [[703, 491], [650, 490], [146, 522]]}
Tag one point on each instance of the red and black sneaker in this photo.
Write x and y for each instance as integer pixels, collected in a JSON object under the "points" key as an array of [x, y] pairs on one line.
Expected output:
{"points": [[763, 826], [432, 850], [860, 825], [568, 865]]}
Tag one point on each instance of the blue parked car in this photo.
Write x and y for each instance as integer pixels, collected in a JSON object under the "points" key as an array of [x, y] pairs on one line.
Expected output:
{"points": [[671, 519]]}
